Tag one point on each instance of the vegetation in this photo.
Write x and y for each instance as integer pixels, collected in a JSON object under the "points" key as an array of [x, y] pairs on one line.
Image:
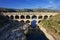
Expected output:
{"points": [[52, 26], [28, 10], [52, 22]]}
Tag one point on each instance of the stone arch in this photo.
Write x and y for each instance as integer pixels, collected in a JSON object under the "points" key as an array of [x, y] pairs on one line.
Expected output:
{"points": [[16, 17], [27, 21], [27, 17], [40, 17], [34, 17], [22, 21], [45, 17], [22, 17], [39, 21], [12, 17], [7, 16]]}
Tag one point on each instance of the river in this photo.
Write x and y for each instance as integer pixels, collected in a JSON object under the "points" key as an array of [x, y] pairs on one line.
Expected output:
{"points": [[35, 34]]}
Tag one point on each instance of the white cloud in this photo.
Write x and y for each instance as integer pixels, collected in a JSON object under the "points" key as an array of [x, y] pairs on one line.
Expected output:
{"points": [[52, 5]]}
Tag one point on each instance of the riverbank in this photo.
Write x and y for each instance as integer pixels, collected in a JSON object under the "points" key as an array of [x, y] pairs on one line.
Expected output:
{"points": [[49, 36]]}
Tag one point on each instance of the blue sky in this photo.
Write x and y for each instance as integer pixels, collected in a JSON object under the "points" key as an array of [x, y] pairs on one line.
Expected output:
{"points": [[19, 4]]}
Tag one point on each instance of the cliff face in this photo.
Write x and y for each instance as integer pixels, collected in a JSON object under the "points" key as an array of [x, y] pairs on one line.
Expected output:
{"points": [[7, 27]]}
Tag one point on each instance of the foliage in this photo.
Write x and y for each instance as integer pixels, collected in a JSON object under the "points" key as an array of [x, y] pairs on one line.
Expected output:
{"points": [[52, 22]]}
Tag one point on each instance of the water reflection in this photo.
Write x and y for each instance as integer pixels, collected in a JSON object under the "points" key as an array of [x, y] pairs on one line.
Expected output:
{"points": [[35, 34]]}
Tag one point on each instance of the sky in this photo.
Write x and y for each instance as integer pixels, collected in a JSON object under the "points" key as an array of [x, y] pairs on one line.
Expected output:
{"points": [[21, 4]]}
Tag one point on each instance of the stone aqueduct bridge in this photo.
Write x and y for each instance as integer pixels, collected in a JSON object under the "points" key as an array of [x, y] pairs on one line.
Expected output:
{"points": [[28, 16]]}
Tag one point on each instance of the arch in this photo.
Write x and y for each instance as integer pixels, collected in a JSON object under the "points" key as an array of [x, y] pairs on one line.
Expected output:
{"points": [[27, 21], [33, 23], [27, 17], [16, 17], [7, 16], [22, 17], [11, 17], [51, 15], [40, 17], [22, 21], [39, 21], [34, 17], [45, 17]]}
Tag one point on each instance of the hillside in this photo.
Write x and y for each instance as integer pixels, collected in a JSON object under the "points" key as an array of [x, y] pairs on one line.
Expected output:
{"points": [[27, 10], [52, 26]]}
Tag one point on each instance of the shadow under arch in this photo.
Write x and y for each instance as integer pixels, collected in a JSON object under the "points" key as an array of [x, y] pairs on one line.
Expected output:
{"points": [[45, 17], [51, 15], [27, 21], [34, 17], [7, 16], [39, 21], [12, 17], [27, 17], [16, 17], [40, 17], [22, 21], [22, 17]]}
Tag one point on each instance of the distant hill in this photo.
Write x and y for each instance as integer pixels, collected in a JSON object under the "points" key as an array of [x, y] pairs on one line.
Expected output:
{"points": [[7, 10], [27, 10]]}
